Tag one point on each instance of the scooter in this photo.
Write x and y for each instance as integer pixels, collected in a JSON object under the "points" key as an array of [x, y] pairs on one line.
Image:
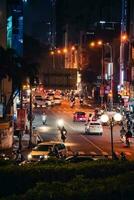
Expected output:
{"points": [[44, 119], [72, 104], [81, 102]]}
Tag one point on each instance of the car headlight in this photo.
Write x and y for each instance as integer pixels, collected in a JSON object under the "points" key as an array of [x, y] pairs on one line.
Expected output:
{"points": [[46, 157], [29, 157]]}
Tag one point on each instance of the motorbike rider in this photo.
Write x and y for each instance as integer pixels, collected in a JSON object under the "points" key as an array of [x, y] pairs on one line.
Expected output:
{"points": [[63, 134], [72, 101], [122, 133], [44, 118], [123, 156], [128, 135], [81, 101]]}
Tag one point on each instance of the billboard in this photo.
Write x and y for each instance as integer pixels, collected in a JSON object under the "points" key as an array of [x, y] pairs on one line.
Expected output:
{"points": [[21, 119], [1, 110]]}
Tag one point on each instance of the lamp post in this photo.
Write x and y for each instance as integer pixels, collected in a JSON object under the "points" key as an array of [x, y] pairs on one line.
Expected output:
{"points": [[53, 59], [101, 44], [30, 118], [111, 119]]}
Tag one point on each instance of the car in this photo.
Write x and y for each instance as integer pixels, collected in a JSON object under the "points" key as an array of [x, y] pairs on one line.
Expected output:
{"points": [[79, 158], [57, 100], [48, 102], [79, 117], [94, 127], [45, 150], [38, 101]]}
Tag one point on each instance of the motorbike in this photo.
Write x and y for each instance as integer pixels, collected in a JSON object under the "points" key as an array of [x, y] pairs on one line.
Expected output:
{"points": [[63, 134], [81, 102], [128, 140], [72, 104], [44, 119]]}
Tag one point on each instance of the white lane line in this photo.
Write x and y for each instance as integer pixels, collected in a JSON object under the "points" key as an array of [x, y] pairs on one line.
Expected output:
{"points": [[89, 141]]}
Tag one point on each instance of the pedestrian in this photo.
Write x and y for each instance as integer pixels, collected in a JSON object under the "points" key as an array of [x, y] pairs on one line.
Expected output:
{"points": [[115, 157], [123, 156], [128, 135]]}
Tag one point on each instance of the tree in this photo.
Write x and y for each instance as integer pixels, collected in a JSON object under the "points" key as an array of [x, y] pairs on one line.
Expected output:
{"points": [[18, 70]]}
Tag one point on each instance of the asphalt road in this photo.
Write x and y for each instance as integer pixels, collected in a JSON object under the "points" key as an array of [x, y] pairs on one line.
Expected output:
{"points": [[77, 141]]}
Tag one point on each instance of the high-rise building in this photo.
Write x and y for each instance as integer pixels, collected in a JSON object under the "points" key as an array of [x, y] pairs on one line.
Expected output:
{"points": [[131, 52], [11, 36], [15, 25], [81, 16], [42, 24]]}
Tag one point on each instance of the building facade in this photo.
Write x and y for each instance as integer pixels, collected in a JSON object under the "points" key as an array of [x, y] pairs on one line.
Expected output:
{"points": [[11, 36]]}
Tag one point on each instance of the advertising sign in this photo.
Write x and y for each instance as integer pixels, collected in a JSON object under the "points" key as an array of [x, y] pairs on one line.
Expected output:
{"points": [[1, 109], [102, 91], [21, 119]]}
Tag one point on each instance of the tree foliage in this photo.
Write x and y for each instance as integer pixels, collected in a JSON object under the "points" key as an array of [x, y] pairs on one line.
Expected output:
{"points": [[16, 69]]}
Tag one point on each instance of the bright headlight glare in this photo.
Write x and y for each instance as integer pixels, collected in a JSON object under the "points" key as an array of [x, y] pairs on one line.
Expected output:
{"points": [[46, 156], [60, 122], [29, 156]]}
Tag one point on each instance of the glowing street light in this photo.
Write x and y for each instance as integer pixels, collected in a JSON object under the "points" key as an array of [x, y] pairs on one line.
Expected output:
{"points": [[124, 38], [65, 50], [117, 117], [100, 42], [92, 44]]}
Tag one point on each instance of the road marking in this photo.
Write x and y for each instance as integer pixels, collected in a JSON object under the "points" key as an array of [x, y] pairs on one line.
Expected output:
{"points": [[93, 153], [105, 153], [92, 144]]}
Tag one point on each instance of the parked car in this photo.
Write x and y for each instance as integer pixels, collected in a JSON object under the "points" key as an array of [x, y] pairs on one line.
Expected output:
{"points": [[45, 150], [79, 117], [93, 127], [79, 158]]}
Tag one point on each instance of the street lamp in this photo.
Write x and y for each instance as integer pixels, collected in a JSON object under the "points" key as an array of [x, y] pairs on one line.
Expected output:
{"points": [[53, 58], [117, 117], [30, 117], [101, 44]]}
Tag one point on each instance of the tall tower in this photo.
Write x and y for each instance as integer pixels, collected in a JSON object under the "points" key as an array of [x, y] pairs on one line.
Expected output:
{"points": [[124, 16], [53, 24]]}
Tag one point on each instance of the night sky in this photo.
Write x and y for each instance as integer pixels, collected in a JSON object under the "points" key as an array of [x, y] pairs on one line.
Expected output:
{"points": [[78, 13], [36, 17]]}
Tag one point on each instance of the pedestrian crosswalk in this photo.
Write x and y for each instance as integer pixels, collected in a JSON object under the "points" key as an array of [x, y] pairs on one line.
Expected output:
{"points": [[95, 154]]}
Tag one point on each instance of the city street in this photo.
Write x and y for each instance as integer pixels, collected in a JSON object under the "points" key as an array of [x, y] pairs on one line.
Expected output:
{"points": [[76, 140]]}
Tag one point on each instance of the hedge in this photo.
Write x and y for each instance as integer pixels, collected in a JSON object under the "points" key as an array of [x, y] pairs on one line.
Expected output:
{"points": [[74, 181]]}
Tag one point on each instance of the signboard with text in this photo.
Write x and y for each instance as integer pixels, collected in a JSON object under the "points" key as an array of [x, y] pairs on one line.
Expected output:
{"points": [[21, 119]]}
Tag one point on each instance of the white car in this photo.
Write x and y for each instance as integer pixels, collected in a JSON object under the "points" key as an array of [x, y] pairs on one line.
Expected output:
{"points": [[57, 100], [39, 103], [48, 102], [94, 127]]}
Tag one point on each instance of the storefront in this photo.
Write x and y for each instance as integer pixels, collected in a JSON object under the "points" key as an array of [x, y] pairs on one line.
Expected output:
{"points": [[6, 135]]}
